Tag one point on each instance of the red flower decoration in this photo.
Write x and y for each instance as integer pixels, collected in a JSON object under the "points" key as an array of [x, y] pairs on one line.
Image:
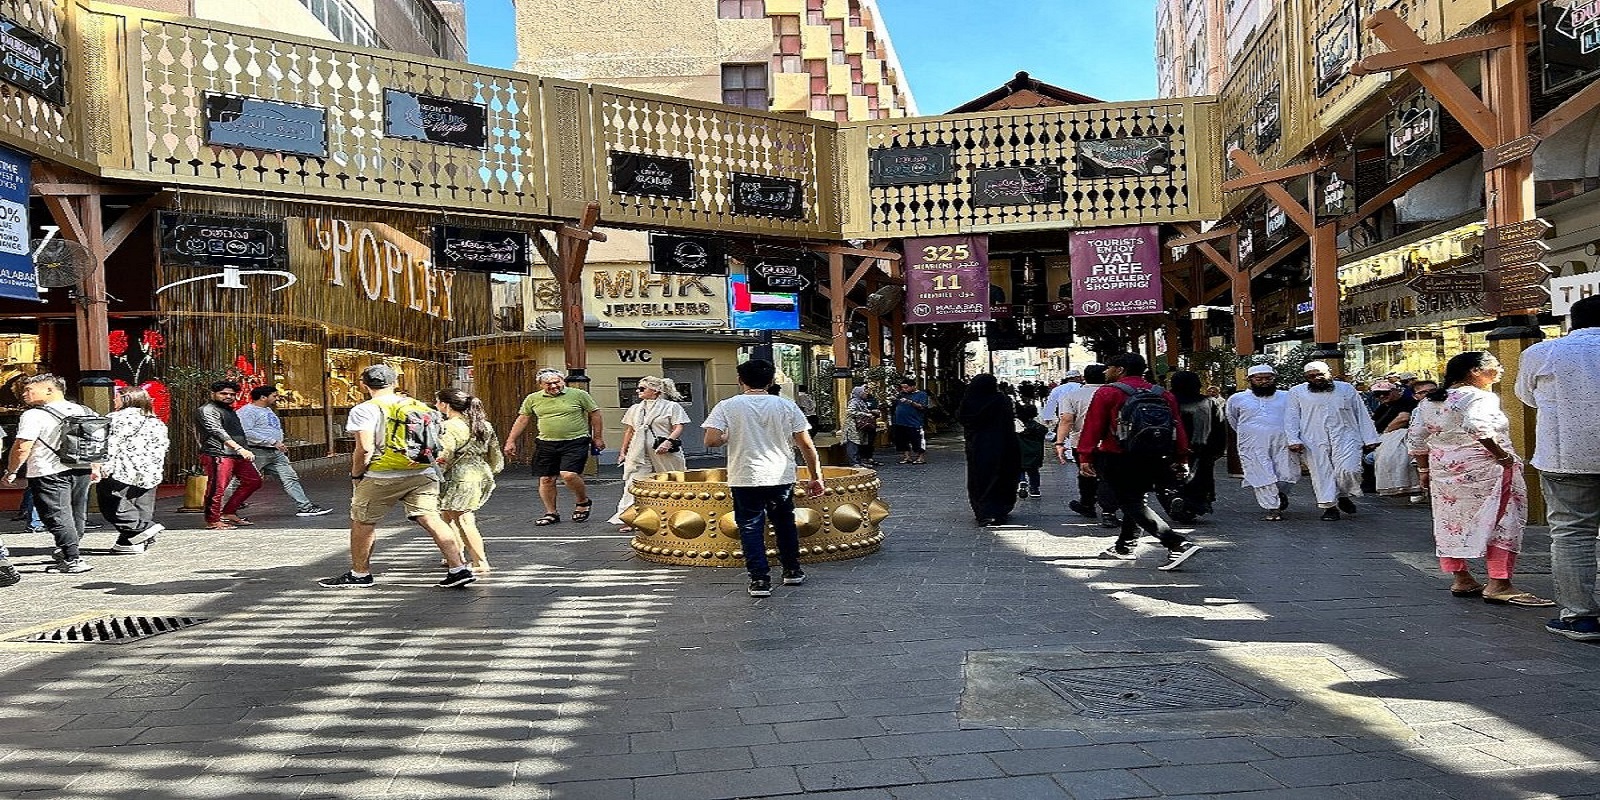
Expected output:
{"points": [[153, 341], [118, 341]]}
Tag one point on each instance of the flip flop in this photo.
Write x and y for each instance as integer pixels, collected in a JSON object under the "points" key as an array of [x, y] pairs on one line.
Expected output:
{"points": [[1521, 599], [1476, 591]]}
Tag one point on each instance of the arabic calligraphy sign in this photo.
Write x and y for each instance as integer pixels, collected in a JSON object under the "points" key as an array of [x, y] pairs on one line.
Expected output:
{"points": [[904, 166], [256, 124], [1130, 157], [768, 196], [434, 119], [481, 250], [1414, 134], [1336, 48], [1016, 186]]}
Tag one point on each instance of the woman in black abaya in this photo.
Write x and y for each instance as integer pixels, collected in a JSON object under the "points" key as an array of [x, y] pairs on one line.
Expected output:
{"points": [[994, 459]]}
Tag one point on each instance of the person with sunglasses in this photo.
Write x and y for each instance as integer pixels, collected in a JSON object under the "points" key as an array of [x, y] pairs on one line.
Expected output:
{"points": [[651, 437], [225, 457]]}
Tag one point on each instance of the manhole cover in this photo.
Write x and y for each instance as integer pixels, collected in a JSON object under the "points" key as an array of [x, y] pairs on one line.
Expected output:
{"points": [[1151, 689], [115, 629]]}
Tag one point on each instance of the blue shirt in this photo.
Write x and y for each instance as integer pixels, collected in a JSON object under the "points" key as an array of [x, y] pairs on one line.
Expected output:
{"points": [[908, 415], [261, 426]]}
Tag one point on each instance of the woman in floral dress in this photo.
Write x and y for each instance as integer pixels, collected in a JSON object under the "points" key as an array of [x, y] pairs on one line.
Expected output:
{"points": [[651, 443], [1461, 441], [470, 453], [136, 452]]}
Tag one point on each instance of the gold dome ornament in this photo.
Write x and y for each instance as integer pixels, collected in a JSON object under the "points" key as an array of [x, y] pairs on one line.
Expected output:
{"points": [[687, 518]]}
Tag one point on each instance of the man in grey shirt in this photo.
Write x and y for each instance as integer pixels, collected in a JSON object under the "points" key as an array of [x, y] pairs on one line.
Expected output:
{"points": [[263, 434]]}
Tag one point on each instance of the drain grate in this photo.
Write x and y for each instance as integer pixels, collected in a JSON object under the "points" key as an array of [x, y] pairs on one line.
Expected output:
{"points": [[1121, 691], [114, 629]]}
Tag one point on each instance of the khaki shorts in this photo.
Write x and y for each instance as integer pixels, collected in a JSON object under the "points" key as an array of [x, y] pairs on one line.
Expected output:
{"points": [[374, 497]]}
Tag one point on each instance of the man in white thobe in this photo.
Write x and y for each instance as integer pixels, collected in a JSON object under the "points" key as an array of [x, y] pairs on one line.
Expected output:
{"points": [[1328, 425], [1256, 416], [1052, 404]]}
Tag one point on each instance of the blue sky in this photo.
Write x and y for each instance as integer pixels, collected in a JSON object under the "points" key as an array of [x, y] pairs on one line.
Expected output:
{"points": [[955, 50]]}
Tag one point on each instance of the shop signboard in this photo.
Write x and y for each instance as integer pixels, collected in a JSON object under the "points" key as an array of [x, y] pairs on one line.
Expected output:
{"points": [[947, 279], [435, 119], [1393, 306], [1414, 134], [18, 279], [768, 196], [1336, 47], [1277, 226], [652, 176], [1336, 190], [1116, 271], [1268, 120], [777, 275], [1516, 233], [1566, 291], [1514, 255], [907, 166], [687, 255], [1016, 186], [1245, 246], [222, 241], [31, 62], [1511, 301], [761, 311], [1129, 157], [1569, 43], [255, 124], [1437, 283], [481, 250], [641, 299]]}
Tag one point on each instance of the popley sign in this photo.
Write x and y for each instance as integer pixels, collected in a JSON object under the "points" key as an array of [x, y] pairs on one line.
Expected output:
{"points": [[383, 264], [1116, 271], [434, 119], [947, 279]]}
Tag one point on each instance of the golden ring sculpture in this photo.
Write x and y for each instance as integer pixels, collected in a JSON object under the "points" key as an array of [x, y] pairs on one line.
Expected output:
{"points": [[686, 518]]}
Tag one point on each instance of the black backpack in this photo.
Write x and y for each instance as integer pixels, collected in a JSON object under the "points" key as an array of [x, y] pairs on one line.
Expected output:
{"points": [[83, 437], [1146, 425]]}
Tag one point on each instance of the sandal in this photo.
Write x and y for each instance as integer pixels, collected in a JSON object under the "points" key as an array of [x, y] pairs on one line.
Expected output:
{"points": [[1476, 591], [1523, 599], [548, 519], [1273, 516], [627, 529], [236, 520], [580, 512]]}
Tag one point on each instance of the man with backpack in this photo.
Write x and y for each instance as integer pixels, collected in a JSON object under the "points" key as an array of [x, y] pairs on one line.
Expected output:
{"points": [[397, 440], [1131, 439], [225, 458], [59, 447]]}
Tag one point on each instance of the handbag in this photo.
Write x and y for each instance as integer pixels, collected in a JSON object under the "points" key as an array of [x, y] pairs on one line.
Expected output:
{"points": [[675, 444], [866, 425]]}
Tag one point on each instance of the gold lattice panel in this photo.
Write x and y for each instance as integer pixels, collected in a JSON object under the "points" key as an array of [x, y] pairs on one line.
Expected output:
{"points": [[720, 141], [1259, 70], [30, 121], [1047, 138], [182, 61], [1349, 91]]}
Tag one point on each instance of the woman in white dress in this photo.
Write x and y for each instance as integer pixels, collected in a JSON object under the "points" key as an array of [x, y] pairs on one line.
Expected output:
{"points": [[1462, 443], [651, 443]]}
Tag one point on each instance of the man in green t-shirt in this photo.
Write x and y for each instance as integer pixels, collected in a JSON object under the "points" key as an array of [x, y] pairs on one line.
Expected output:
{"points": [[569, 424]]}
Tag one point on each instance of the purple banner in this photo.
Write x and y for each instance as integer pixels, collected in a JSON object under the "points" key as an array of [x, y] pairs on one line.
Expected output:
{"points": [[947, 279], [1116, 271]]}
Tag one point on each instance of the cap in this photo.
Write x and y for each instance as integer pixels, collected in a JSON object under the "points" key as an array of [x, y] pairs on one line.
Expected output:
{"points": [[1383, 386], [379, 376], [1408, 376], [1318, 366], [1074, 373], [1260, 369]]}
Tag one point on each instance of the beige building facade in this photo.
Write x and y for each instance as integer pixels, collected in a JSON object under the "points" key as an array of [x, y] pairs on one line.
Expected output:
{"points": [[435, 28]]}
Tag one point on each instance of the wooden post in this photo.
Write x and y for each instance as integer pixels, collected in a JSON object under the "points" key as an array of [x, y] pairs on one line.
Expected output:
{"points": [[838, 316], [572, 250], [897, 338], [1325, 296], [874, 341]]}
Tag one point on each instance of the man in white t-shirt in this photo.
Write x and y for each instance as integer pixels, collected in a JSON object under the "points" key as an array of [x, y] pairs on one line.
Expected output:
{"points": [[761, 432], [378, 490], [1052, 404], [60, 491]]}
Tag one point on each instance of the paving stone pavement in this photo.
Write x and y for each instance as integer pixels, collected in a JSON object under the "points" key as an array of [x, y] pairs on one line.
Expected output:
{"points": [[577, 671]]}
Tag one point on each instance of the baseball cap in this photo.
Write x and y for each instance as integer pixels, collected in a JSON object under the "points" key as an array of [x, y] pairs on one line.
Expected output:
{"points": [[1383, 386], [1074, 373], [379, 376]]}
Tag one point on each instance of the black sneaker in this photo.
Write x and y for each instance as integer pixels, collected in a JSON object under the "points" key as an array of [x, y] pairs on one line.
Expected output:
{"points": [[1580, 629], [347, 581], [1035, 493], [1117, 552], [1081, 510], [1283, 501], [313, 510], [9, 575], [1347, 505], [1178, 556], [1330, 515], [760, 587], [459, 578], [1109, 519], [1022, 491], [794, 577]]}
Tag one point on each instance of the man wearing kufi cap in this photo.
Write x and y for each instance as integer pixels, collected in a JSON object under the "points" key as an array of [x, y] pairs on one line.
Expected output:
{"points": [[1052, 404], [1329, 426], [1256, 416]]}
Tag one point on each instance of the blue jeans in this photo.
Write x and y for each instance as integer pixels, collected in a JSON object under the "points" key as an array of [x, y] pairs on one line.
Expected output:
{"points": [[753, 508], [1574, 512], [271, 463]]}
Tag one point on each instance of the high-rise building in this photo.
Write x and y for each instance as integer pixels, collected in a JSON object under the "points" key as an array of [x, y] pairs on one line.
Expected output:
{"points": [[1198, 40], [435, 28], [830, 59]]}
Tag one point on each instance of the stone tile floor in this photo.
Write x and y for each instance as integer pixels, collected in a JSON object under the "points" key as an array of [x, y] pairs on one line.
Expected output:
{"points": [[577, 671]]}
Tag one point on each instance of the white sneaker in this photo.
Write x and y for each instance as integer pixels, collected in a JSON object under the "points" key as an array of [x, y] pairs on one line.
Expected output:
{"points": [[129, 549], [1178, 556], [145, 535]]}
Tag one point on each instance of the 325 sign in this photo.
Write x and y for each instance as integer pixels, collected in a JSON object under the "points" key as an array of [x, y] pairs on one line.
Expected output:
{"points": [[947, 279]]}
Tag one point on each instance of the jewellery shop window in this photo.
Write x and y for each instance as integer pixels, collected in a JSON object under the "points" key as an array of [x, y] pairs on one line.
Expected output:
{"points": [[19, 359], [418, 378]]}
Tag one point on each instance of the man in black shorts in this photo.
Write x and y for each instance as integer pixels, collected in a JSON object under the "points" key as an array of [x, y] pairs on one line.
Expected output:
{"points": [[569, 425]]}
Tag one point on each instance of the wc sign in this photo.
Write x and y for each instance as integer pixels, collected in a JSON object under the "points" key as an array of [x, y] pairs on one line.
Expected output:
{"points": [[635, 356]]}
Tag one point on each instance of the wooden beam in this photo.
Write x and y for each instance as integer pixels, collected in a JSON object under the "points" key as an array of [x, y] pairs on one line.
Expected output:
{"points": [[1216, 258], [66, 189], [1211, 293], [859, 273], [1174, 288], [1218, 232], [130, 219], [1439, 79], [1568, 112], [580, 233], [65, 215], [1292, 208], [571, 253], [829, 249], [546, 250], [1273, 175], [1413, 56], [1278, 255], [1405, 184]]}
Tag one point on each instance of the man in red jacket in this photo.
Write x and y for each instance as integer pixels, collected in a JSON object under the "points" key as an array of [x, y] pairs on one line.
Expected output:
{"points": [[1132, 475]]}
